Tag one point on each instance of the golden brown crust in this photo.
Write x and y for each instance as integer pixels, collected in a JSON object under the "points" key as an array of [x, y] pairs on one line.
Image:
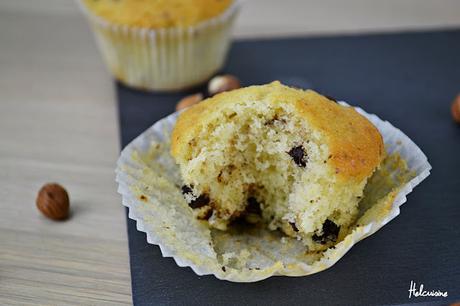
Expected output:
{"points": [[155, 14], [355, 145]]}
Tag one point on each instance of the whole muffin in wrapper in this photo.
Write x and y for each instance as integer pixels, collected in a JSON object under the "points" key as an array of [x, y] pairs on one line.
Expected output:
{"points": [[162, 45], [152, 186]]}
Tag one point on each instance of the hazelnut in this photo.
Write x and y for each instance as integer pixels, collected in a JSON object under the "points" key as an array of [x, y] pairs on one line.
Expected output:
{"points": [[223, 83], [455, 109], [189, 101], [53, 201]]}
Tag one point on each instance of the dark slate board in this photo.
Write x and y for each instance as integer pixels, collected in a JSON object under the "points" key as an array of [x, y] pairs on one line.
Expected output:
{"points": [[410, 80]]}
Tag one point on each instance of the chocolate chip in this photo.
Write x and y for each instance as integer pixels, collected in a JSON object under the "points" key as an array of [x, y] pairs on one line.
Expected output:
{"points": [[298, 155], [294, 227], [330, 233], [201, 201], [207, 215], [331, 98], [186, 189], [223, 269], [253, 206]]}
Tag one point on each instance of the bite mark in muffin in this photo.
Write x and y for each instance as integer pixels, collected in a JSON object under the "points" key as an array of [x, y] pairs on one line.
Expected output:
{"points": [[252, 164]]}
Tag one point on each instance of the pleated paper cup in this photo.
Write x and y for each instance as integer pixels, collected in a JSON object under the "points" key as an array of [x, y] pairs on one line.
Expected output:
{"points": [[149, 182], [166, 59]]}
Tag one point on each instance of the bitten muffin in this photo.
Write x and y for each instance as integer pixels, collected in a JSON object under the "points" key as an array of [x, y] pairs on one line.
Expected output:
{"points": [[164, 45], [291, 159]]}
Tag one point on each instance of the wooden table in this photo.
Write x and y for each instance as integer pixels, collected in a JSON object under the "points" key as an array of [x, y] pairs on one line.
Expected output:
{"points": [[58, 122]]}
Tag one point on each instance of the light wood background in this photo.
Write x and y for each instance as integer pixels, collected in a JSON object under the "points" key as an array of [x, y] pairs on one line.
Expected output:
{"points": [[58, 122]]}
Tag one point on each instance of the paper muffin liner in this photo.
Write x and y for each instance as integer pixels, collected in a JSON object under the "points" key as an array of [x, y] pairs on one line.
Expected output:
{"points": [[165, 59], [149, 182]]}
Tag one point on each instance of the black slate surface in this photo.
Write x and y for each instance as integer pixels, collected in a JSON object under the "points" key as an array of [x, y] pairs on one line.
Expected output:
{"points": [[408, 79]]}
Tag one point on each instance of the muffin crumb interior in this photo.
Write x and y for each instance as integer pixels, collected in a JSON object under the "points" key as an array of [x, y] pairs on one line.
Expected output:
{"points": [[264, 163]]}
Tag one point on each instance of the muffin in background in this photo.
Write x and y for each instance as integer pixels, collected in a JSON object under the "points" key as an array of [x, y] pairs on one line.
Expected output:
{"points": [[162, 45]]}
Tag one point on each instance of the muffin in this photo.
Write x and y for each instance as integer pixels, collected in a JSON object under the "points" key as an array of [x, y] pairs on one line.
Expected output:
{"points": [[279, 157], [162, 44]]}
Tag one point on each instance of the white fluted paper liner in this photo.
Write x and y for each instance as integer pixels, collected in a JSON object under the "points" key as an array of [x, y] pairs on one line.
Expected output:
{"points": [[164, 59], [149, 183]]}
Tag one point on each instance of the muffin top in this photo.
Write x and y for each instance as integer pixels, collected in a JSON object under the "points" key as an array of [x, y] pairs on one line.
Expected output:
{"points": [[355, 145], [154, 14]]}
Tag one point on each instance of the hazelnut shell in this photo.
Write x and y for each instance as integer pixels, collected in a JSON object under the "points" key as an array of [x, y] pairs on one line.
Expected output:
{"points": [[455, 109], [189, 101], [53, 201], [223, 83]]}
